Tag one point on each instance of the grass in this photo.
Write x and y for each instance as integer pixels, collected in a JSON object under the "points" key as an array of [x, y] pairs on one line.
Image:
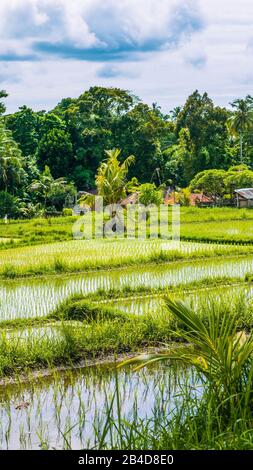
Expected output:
{"points": [[80, 256], [41, 230], [88, 330], [212, 412], [219, 416], [195, 221]]}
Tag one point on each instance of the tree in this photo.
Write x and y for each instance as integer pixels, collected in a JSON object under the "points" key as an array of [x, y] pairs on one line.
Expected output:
{"points": [[179, 158], [62, 195], [143, 131], [55, 150], [111, 178], [8, 205], [238, 177], [45, 185], [211, 183], [207, 126], [25, 125], [91, 121], [3, 94], [150, 194], [11, 162], [242, 119]]}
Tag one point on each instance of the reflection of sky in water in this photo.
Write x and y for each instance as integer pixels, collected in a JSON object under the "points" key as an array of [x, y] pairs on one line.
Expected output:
{"points": [[36, 297], [81, 401]]}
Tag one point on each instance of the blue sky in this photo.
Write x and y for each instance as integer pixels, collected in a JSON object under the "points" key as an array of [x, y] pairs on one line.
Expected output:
{"points": [[162, 50]]}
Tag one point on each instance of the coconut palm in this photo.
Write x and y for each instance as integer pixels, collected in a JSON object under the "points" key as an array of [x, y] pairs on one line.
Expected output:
{"points": [[111, 177], [220, 354], [45, 184], [242, 119], [10, 157]]}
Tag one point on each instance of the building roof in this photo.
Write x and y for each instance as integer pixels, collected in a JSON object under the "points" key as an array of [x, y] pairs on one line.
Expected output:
{"points": [[131, 199], [246, 193], [195, 199]]}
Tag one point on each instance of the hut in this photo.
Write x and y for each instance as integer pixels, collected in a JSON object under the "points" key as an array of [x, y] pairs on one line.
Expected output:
{"points": [[244, 197], [130, 199]]}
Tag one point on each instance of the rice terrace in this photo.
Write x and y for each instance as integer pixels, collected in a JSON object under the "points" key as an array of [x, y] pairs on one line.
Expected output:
{"points": [[72, 311], [126, 232]]}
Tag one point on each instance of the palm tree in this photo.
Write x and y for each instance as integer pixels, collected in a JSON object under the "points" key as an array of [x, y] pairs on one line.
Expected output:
{"points": [[10, 157], [111, 177], [218, 352], [45, 184], [242, 119]]}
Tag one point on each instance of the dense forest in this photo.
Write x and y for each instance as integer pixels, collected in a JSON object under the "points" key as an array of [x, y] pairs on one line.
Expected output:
{"points": [[39, 149]]}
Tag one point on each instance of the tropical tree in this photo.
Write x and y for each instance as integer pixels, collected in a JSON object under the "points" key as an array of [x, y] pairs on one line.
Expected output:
{"points": [[3, 94], [210, 182], [8, 205], [208, 133], [242, 119], [218, 352], [11, 163], [111, 178], [238, 177], [55, 150], [45, 184], [150, 194]]}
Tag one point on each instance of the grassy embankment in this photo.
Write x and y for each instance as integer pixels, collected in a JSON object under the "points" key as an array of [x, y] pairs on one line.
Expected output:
{"points": [[89, 330]]}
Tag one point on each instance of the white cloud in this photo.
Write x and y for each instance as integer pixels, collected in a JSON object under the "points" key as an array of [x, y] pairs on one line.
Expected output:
{"points": [[126, 24], [180, 46]]}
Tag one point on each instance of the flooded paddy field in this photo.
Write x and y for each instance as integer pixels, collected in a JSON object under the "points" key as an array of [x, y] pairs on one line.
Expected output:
{"points": [[25, 298], [71, 409]]}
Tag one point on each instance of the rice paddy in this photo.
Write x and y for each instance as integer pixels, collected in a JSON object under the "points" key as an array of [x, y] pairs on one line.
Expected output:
{"points": [[64, 302], [26, 298]]}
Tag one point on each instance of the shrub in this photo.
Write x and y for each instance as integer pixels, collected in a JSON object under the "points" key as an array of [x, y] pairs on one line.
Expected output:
{"points": [[67, 212], [8, 205]]}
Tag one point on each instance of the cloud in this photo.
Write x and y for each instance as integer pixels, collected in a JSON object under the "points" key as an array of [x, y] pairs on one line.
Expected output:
{"points": [[7, 76], [94, 30], [162, 50], [197, 61], [109, 72]]}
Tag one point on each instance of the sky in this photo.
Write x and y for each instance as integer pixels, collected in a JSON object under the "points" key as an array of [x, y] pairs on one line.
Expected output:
{"points": [[161, 50]]}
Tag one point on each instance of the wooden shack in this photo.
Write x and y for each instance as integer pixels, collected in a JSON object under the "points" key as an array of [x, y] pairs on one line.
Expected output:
{"points": [[244, 197]]}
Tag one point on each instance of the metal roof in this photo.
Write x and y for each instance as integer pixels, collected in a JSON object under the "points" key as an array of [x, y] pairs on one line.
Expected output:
{"points": [[246, 193]]}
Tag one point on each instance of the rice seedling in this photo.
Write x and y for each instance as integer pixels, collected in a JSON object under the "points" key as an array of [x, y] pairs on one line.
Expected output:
{"points": [[38, 297], [53, 420]]}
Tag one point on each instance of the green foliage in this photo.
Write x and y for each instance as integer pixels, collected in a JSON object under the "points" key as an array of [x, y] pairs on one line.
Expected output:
{"points": [[169, 148], [182, 197], [55, 150], [3, 94], [11, 162], [242, 120], [84, 310], [111, 177], [238, 177], [46, 185], [210, 182], [207, 126], [149, 194], [8, 205], [67, 212], [25, 125]]}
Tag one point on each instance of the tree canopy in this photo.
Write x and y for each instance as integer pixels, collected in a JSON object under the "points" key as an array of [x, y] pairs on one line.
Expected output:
{"points": [[170, 148]]}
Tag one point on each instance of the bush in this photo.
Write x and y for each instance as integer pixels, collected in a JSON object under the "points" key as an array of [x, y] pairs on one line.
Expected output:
{"points": [[149, 194], [8, 205], [84, 310], [67, 212]]}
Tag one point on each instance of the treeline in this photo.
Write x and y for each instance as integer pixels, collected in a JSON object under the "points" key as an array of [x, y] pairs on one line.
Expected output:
{"points": [[70, 141]]}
